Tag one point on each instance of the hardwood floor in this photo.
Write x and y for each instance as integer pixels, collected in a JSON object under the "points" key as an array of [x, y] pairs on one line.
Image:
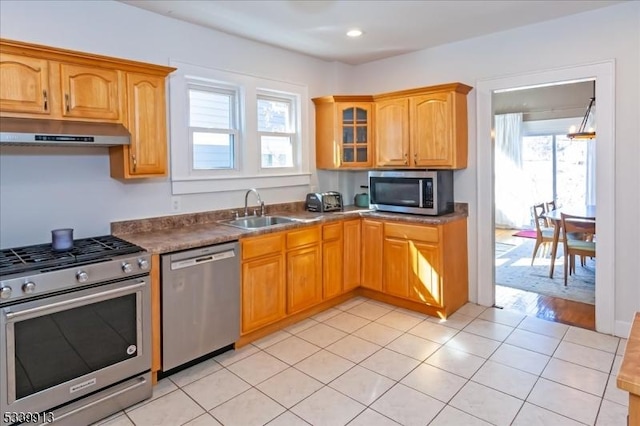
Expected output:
{"points": [[546, 307], [579, 314]]}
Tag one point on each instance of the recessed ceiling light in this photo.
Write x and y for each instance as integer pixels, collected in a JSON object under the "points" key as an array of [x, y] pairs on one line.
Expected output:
{"points": [[354, 33]]}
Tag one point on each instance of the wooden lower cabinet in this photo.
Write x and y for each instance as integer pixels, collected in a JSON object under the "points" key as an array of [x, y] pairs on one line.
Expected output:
{"points": [[263, 295], [332, 260], [426, 264], [304, 282], [263, 292], [352, 248], [371, 252]]}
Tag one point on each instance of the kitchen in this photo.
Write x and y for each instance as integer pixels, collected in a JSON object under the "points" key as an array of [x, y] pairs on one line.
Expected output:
{"points": [[75, 190]]}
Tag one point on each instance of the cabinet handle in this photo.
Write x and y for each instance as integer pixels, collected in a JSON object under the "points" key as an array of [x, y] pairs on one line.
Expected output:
{"points": [[406, 159], [46, 101], [66, 101], [135, 162], [415, 159]]}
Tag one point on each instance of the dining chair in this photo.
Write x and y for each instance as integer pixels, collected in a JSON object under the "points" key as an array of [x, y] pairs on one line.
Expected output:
{"points": [[583, 247], [549, 206], [544, 234]]}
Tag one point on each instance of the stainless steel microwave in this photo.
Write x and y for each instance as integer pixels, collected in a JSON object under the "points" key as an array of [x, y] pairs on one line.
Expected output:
{"points": [[417, 192]]}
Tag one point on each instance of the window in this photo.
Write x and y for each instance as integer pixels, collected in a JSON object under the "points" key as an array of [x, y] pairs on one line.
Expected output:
{"points": [[213, 129], [276, 131], [232, 131]]}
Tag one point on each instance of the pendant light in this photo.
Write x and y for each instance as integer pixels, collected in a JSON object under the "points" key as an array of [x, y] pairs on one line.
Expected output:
{"points": [[583, 132]]}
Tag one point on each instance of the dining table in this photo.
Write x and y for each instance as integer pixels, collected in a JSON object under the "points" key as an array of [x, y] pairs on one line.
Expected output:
{"points": [[586, 211]]}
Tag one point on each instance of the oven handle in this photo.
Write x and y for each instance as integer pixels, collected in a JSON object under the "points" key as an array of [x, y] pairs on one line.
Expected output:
{"points": [[51, 308]]}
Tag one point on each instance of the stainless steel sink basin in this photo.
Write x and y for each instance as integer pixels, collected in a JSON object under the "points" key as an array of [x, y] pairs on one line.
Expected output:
{"points": [[252, 222]]}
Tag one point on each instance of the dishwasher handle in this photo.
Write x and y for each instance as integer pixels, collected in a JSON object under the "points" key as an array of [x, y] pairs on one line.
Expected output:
{"points": [[200, 260]]}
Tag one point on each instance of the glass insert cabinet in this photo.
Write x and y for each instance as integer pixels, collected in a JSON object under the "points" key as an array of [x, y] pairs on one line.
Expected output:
{"points": [[344, 136]]}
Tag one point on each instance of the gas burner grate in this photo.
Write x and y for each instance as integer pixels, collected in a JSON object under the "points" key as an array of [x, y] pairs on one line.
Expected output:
{"points": [[40, 256]]}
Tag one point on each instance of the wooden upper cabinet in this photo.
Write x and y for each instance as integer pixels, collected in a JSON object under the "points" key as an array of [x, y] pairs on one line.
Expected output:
{"points": [[420, 128], [146, 120], [392, 133], [90, 92], [24, 85], [47, 82], [344, 132]]}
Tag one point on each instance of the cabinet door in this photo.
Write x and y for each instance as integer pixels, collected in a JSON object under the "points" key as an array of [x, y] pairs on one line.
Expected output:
{"points": [[425, 280], [352, 249], [395, 278], [24, 84], [432, 129], [354, 133], [304, 283], [332, 260], [90, 92], [392, 132], [147, 124], [263, 292], [372, 254]]}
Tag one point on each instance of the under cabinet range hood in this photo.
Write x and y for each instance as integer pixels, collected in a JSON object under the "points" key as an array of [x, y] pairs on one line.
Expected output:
{"points": [[43, 132]]}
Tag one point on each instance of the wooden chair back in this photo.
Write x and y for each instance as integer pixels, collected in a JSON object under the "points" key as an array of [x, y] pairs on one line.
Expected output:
{"points": [[578, 234]]}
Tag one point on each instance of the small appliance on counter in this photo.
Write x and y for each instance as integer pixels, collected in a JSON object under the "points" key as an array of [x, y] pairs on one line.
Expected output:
{"points": [[427, 192], [321, 202], [362, 200]]}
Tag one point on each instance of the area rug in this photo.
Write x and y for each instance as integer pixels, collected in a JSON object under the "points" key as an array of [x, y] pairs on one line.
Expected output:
{"points": [[526, 233], [513, 269]]}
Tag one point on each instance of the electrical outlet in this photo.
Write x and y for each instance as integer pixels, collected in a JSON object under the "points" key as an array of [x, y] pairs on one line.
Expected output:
{"points": [[175, 204]]}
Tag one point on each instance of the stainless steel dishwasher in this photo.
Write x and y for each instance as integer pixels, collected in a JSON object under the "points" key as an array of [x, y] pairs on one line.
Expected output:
{"points": [[200, 302]]}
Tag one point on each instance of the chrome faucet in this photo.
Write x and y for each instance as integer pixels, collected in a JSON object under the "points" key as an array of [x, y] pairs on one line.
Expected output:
{"points": [[246, 196]]}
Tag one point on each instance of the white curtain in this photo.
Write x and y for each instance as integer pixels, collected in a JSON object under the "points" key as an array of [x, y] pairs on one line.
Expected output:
{"points": [[590, 198], [513, 189]]}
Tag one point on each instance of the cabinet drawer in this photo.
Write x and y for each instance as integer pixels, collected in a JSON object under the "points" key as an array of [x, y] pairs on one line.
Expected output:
{"points": [[261, 246], [411, 232], [332, 232], [303, 237]]}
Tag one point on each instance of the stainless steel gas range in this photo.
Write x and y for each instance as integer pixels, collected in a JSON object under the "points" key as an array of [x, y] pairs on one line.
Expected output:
{"points": [[75, 331]]}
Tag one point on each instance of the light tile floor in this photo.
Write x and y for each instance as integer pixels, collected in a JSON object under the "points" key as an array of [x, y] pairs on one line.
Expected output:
{"points": [[368, 363]]}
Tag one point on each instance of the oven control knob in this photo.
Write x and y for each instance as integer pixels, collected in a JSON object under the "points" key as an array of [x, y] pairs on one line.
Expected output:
{"points": [[29, 287], [5, 292], [126, 267], [82, 277], [143, 264]]}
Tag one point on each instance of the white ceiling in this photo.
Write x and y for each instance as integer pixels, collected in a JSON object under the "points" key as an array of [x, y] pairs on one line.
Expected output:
{"points": [[317, 28]]}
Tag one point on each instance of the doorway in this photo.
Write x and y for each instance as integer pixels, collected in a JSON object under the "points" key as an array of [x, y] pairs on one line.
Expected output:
{"points": [[536, 164], [603, 73]]}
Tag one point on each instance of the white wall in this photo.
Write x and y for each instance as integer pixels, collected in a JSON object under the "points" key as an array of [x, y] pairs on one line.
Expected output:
{"points": [[604, 34], [46, 188]]}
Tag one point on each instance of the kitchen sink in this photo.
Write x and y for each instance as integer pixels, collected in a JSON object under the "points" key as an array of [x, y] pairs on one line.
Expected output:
{"points": [[253, 222]]}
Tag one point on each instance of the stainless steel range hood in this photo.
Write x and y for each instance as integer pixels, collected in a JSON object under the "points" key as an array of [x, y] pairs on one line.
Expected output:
{"points": [[43, 132]]}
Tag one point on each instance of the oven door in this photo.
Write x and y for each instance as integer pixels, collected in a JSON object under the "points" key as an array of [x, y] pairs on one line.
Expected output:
{"points": [[61, 348]]}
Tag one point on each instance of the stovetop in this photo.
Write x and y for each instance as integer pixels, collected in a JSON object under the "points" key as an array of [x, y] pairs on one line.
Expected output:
{"points": [[43, 257]]}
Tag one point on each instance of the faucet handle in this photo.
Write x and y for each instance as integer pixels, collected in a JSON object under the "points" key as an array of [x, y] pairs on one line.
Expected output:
{"points": [[261, 208], [255, 212], [235, 214]]}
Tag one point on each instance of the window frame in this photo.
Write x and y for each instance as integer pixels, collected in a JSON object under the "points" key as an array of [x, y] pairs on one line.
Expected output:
{"points": [[293, 125], [248, 172], [217, 88]]}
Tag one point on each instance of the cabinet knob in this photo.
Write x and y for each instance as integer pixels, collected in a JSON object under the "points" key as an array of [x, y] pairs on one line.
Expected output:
{"points": [[45, 99], [406, 158], [415, 159], [66, 101], [135, 162]]}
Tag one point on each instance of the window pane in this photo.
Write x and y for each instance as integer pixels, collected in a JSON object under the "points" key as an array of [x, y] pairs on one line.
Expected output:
{"points": [[537, 164], [274, 116], [572, 171], [212, 151], [277, 151], [210, 110]]}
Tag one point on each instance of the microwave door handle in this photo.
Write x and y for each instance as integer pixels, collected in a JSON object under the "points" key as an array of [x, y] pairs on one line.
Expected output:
{"points": [[420, 189]]}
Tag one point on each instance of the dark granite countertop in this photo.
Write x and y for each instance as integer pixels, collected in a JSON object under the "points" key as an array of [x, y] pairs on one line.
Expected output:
{"points": [[174, 233]]}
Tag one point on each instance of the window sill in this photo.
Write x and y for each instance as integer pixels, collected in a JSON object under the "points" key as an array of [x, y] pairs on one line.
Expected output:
{"points": [[199, 185]]}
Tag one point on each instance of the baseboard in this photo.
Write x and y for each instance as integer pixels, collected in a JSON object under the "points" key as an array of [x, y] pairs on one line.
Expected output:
{"points": [[622, 329]]}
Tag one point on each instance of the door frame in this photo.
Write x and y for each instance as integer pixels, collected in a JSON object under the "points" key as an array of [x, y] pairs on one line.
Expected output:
{"points": [[604, 74]]}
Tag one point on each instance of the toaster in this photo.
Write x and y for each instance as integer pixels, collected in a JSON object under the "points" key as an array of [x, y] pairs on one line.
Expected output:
{"points": [[330, 201]]}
